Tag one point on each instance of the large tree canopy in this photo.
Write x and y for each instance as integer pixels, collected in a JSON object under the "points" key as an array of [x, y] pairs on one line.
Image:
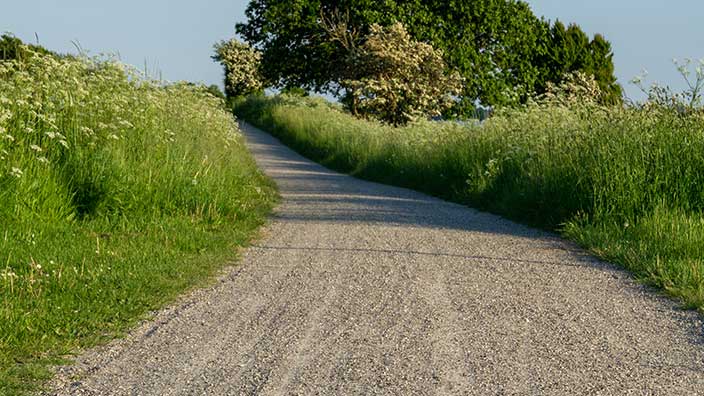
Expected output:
{"points": [[494, 44], [504, 52]]}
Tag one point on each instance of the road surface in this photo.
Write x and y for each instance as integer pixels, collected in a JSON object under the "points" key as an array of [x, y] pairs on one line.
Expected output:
{"points": [[358, 288]]}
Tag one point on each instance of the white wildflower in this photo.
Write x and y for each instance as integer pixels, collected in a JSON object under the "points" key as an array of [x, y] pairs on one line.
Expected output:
{"points": [[16, 172], [126, 124], [36, 148], [8, 273]]}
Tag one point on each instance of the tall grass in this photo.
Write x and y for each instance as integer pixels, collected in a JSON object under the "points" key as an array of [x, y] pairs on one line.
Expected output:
{"points": [[116, 194], [627, 184]]}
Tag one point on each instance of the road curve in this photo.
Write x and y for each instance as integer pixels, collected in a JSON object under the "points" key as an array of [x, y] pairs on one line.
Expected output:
{"points": [[359, 288]]}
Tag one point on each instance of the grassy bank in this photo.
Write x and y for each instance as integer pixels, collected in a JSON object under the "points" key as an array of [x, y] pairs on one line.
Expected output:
{"points": [[626, 184], [116, 195]]}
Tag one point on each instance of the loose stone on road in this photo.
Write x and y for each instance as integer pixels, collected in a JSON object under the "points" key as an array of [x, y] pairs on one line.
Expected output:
{"points": [[358, 288]]}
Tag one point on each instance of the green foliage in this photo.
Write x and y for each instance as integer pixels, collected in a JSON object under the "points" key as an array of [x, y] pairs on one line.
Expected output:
{"points": [[398, 79], [216, 91], [494, 44], [569, 50], [576, 89], [13, 48], [116, 194], [241, 63], [294, 45], [294, 91], [611, 179], [505, 53]]}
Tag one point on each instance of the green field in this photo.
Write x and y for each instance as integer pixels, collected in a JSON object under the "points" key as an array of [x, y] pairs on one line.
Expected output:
{"points": [[627, 184], [117, 194]]}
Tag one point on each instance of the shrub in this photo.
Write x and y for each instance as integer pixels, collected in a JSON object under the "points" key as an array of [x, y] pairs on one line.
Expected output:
{"points": [[13, 48], [399, 79], [576, 88], [241, 63], [216, 91]]}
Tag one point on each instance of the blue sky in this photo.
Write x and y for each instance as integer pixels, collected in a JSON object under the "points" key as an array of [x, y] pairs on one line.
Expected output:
{"points": [[645, 34], [176, 37], [173, 36]]}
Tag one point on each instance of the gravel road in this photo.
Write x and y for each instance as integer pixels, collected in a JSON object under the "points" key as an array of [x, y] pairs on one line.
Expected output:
{"points": [[358, 288]]}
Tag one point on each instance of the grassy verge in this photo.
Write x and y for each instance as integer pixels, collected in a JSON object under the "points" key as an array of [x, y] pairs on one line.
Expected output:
{"points": [[116, 195], [626, 184]]}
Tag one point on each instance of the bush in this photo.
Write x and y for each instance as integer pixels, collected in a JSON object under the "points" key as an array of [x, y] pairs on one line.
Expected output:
{"points": [[13, 48], [398, 79], [241, 64], [216, 91]]}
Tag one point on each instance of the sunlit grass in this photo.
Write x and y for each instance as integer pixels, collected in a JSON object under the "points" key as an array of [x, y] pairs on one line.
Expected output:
{"points": [[627, 184], [116, 195]]}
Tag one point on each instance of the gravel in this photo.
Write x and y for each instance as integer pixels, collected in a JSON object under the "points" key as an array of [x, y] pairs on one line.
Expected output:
{"points": [[358, 288]]}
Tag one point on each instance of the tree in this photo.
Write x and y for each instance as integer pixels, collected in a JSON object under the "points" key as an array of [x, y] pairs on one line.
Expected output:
{"points": [[499, 46], [296, 50], [602, 68], [492, 43], [399, 79], [569, 50], [241, 64]]}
